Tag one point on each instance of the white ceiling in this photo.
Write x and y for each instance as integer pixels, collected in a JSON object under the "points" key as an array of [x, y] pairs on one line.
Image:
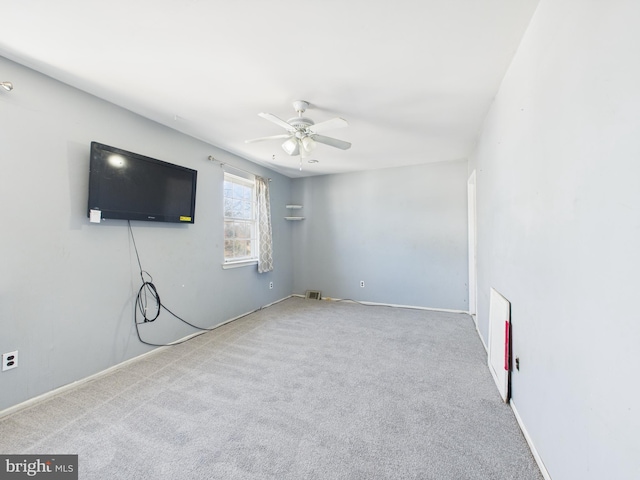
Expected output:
{"points": [[414, 78]]}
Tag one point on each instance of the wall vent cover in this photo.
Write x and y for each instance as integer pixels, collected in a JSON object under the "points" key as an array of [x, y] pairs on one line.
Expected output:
{"points": [[314, 295]]}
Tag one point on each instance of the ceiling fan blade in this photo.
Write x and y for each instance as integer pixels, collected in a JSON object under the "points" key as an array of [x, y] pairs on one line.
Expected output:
{"points": [[334, 142], [278, 121], [328, 125], [272, 137]]}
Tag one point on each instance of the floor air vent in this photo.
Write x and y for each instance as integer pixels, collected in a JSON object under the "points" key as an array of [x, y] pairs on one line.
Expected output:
{"points": [[313, 295]]}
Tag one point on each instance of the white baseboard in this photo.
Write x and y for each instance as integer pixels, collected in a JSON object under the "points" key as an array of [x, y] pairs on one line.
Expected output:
{"points": [[413, 307], [536, 455], [486, 348], [77, 383]]}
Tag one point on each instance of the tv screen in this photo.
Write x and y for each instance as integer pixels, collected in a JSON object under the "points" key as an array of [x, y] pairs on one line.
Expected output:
{"points": [[129, 186]]}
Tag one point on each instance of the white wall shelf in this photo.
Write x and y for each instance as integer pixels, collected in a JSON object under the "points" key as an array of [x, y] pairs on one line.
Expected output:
{"points": [[292, 206]]}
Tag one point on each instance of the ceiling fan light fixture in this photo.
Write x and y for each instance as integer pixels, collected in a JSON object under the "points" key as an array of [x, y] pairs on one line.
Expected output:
{"points": [[308, 143], [291, 146]]}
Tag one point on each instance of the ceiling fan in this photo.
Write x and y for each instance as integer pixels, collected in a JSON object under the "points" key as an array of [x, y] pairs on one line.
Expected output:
{"points": [[302, 133]]}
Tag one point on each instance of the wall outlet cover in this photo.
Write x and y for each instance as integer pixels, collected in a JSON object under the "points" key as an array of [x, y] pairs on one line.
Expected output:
{"points": [[9, 360]]}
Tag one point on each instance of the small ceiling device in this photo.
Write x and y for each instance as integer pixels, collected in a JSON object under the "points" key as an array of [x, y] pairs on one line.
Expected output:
{"points": [[302, 133]]}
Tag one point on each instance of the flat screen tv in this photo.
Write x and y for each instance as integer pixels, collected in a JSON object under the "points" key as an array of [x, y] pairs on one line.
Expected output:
{"points": [[129, 186]]}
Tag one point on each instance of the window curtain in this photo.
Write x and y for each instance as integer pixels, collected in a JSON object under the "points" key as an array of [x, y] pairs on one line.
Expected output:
{"points": [[265, 260]]}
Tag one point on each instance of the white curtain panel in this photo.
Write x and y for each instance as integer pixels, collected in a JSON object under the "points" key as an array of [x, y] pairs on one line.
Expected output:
{"points": [[265, 260]]}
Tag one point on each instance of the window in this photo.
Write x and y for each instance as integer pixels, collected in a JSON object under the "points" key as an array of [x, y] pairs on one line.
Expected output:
{"points": [[240, 225]]}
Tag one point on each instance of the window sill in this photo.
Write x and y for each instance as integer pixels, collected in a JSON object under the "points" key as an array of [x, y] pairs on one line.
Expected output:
{"points": [[241, 263]]}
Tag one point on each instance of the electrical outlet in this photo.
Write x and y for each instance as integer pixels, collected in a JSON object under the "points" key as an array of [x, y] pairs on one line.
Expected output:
{"points": [[361, 283], [270, 285], [9, 360]]}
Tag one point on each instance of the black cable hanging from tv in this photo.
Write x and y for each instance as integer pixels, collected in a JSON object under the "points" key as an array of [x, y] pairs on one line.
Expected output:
{"points": [[148, 293]]}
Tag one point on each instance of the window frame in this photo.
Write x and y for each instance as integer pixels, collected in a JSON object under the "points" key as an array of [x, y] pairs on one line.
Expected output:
{"points": [[252, 259]]}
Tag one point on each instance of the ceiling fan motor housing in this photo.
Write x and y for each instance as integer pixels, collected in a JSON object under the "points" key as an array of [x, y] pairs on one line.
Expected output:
{"points": [[300, 122]]}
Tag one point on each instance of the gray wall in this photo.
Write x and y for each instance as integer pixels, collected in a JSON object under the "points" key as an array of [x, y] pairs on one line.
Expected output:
{"points": [[401, 230], [559, 231], [67, 286]]}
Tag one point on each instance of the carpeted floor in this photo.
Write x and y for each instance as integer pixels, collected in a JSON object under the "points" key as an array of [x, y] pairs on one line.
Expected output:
{"points": [[303, 389]]}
